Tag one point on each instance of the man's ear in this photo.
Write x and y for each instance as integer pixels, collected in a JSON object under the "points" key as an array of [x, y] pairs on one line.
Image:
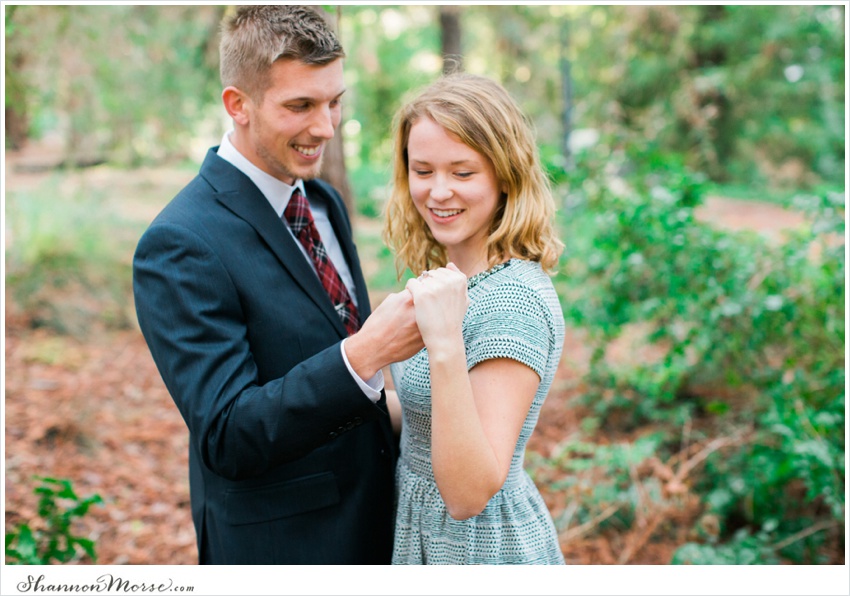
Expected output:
{"points": [[237, 103]]}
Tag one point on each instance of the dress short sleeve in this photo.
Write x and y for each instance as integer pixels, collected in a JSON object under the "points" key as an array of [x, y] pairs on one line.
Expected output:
{"points": [[508, 320]]}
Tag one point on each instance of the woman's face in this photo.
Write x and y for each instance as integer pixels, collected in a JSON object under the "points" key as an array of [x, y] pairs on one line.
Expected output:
{"points": [[455, 190]]}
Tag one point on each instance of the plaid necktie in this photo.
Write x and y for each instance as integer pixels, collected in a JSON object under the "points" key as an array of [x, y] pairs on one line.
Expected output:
{"points": [[300, 220]]}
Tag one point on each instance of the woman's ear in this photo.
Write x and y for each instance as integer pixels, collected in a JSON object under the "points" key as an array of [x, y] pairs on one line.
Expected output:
{"points": [[237, 104]]}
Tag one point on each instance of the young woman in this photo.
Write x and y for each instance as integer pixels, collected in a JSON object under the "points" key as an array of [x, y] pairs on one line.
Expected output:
{"points": [[471, 208]]}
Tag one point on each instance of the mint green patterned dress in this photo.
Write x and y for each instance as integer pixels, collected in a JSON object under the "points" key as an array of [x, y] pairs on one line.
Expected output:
{"points": [[513, 313]]}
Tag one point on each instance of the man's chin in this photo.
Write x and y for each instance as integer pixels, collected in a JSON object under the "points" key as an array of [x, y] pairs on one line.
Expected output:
{"points": [[310, 173]]}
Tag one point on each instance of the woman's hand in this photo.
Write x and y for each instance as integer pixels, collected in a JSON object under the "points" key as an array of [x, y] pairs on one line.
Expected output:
{"points": [[440, 301]]}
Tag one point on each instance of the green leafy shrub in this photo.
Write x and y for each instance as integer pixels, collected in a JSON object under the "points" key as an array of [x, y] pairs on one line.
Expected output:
{"points": [[55, 541], [742, 549], [600, 481], [748, 337]]}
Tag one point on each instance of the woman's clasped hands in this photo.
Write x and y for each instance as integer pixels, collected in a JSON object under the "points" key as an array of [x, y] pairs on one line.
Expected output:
{"points": [[440, 301]]}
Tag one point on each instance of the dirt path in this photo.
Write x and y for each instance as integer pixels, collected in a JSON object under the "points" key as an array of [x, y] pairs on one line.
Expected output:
{"points": [[732, 214]]}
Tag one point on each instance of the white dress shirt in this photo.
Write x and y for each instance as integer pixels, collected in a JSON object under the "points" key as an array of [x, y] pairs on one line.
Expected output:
{"points": [[278, 194]]}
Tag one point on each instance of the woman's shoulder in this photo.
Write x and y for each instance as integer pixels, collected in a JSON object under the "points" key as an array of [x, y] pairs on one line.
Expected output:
{"points": [[522, 275], [529, 273], [518, 282], [514, 313]]}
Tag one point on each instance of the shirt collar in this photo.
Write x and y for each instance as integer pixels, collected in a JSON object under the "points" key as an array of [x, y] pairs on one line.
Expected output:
{"points": [[277, 193]]}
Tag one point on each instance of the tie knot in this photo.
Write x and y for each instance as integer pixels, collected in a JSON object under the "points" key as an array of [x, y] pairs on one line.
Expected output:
{"points": [[297, 212]]}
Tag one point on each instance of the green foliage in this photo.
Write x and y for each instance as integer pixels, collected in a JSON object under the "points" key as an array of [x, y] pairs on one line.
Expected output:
{"points": [[748, 338], [601, 481], [127, 83], [393, 50], [67, 257], [750, 94], [370, 186], [742, 549], [747, 94], [55, 539]]}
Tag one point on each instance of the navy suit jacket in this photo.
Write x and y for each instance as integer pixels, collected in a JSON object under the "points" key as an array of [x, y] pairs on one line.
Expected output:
{"points": [[289, 462]]}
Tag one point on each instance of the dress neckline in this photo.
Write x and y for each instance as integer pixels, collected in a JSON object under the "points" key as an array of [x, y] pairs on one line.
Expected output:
{"points": [[479, 277]]}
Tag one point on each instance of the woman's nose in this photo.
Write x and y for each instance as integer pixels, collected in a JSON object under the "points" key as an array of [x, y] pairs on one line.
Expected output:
{"points": [[440, 190]]}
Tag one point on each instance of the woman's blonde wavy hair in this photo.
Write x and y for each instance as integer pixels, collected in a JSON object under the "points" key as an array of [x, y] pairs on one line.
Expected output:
{"points": [[484, 117]]}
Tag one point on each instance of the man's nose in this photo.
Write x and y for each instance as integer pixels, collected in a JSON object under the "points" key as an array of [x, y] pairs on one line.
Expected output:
{"points": [[323, 124]]}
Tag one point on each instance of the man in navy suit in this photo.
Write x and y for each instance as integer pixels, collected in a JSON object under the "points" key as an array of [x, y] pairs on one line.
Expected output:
{"points": [[262, 331]]}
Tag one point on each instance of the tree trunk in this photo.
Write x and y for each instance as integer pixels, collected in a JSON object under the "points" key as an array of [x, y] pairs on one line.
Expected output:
{"points": [[15, 110], [333, 164], [334, 171], [17, 118], [566, 95], [450, 39]]}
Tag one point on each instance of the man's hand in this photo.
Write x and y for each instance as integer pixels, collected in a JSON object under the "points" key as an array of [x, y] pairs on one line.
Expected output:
{"points": [[389, 335]]}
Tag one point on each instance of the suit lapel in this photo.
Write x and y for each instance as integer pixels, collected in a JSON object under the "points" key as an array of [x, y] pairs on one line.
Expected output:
{"points": [[239, 195]]}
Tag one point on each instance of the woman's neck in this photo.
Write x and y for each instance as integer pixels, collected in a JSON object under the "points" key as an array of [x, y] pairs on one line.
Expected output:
{"points": [[472, 264]]}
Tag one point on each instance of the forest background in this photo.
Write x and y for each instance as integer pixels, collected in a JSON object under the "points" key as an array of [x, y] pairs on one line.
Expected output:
{"points": [[697, 155]]}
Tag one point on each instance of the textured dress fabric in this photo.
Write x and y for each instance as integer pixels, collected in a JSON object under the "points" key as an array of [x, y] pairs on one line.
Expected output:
{"points": [[514, 313]]}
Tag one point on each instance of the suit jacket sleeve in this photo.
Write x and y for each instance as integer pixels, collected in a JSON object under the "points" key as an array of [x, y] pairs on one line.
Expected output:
{"points": [[191, 314]]}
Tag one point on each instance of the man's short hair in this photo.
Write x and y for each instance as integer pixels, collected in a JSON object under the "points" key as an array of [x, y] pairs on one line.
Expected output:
{"points": [[255, 37]]}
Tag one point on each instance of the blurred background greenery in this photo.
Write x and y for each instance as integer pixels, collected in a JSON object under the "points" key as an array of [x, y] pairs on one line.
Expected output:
{"points": [[642, 113]]}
